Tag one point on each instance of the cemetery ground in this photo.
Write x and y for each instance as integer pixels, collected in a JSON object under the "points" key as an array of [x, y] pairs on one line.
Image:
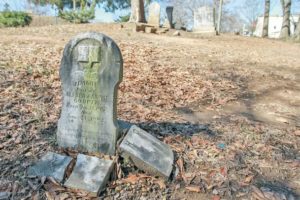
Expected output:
{"points": [[228, 106]]}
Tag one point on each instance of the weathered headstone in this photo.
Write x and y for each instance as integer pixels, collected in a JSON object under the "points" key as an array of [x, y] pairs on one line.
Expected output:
{"points": [[154, 14], [51, 164], [90, 174], [169, 11], [166, 23], [204, 20], [90, 71], [147, 153]]}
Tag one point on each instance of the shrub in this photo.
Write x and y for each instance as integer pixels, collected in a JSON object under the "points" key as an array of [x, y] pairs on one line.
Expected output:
{"points": [[78, 16], [124, 18], [14, 19]]}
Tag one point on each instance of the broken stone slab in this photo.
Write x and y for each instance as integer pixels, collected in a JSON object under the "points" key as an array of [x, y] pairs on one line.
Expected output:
{"points": [[150, 30], [5, 195], [51, 165], [90, 174], [147, 152]]}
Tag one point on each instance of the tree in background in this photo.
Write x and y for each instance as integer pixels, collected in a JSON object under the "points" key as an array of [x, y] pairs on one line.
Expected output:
{"points": [[137, 7], [250, 12], [229, 20], [286, 8], [297, 31], [183, 13], [266, 19], [219, 17], [137, 11]]}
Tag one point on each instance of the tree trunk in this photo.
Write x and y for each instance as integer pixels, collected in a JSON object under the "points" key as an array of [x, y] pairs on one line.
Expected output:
{"points": [[137, 11], [297, 31], [266, 19], [219, 17], [285, 29], [74, 4]]}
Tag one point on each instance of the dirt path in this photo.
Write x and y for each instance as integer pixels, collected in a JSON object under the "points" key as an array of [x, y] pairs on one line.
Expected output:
{"points": [[245, 92]]}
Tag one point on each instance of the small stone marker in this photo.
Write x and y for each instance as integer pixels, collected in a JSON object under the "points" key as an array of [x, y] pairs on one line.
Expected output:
{"points": [[51, 165], [154, 14], [204, 20], [91, 70], [147, 153], [90, 174]]}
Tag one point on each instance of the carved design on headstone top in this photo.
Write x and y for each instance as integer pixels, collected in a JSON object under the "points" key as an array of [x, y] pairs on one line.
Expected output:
{"points": [[89, 58]]}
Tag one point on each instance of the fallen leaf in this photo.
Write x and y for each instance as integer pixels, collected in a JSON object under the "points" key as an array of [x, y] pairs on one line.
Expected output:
{"points": [[134, 178], [161, 183], [248, 179], [49, 196], [35, 195], [297, 132], [193, 188], [216, 197], [180, 164]]}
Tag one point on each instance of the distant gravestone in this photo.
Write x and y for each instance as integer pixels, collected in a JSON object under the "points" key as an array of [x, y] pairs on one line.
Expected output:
{"points": [[204, 20], [154, 14], [90, 71], [169, 11]]}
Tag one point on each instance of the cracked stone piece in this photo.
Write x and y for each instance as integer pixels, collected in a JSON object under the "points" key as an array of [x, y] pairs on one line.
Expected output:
{"points": [[51, 164], [90, 174], [147, 152]]}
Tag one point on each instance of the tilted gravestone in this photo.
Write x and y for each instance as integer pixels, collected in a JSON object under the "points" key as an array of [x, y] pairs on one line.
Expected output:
{"points": [[204, 20], [154, 14], [147, 153], [91, 70]]}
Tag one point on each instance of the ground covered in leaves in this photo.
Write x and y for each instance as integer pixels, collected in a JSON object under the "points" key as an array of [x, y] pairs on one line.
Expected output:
{"points": [[228, 106]]}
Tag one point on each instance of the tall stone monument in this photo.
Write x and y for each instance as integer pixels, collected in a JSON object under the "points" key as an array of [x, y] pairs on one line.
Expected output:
{"points": [[154, 14], [91, 70], [204, 21]]}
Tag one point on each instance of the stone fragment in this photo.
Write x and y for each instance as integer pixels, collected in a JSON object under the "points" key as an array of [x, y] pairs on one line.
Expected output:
{"points": [[5, 195], [147, 152], [91, 70], [176, 33], [162, 30], [51, 165], [90, 174], [150, 30]]}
